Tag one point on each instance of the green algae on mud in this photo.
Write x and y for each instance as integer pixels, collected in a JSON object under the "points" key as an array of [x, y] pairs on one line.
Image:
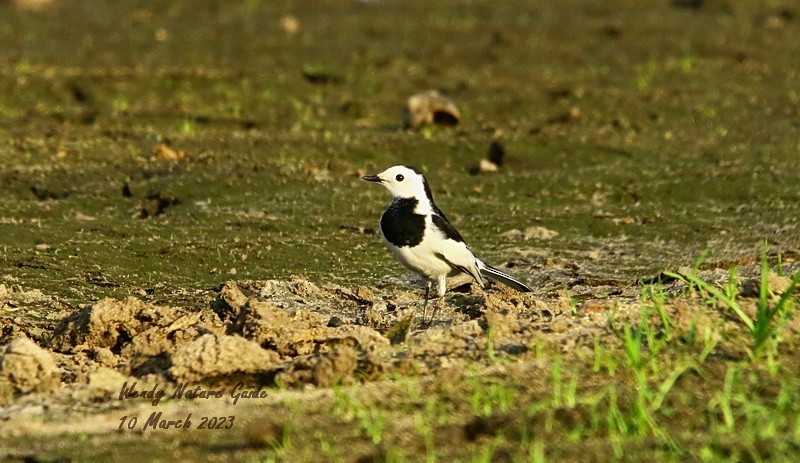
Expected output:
{"points": [[642, 143], [642, 133]]}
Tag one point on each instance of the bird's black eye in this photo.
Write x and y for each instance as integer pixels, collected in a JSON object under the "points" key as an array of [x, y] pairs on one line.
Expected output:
{"points": [[399, 177]]}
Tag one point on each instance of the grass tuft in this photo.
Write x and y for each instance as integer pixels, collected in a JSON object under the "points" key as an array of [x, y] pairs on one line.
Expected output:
{"points": [[763, 326]]}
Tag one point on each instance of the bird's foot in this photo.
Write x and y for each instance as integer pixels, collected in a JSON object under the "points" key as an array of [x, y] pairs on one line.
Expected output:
{"points": [[436, 308]]}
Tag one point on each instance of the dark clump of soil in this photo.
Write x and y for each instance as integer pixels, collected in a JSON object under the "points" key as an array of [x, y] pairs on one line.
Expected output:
{"points": [[155, 204]]}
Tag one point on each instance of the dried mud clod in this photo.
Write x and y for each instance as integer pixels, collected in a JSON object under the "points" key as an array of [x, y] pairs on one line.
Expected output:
{"points": [[133, 333], [287, 333], [430, 107], [322, 370], [209, 357], [119, 325], [537, 233], [25, 367], [295, 333], [254, 331]]}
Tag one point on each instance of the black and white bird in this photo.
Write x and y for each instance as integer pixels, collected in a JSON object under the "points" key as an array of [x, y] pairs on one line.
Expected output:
{"points": [[423, 240]]}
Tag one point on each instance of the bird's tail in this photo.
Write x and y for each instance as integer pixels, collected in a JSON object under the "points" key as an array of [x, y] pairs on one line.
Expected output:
{"points": [[487, 271]]}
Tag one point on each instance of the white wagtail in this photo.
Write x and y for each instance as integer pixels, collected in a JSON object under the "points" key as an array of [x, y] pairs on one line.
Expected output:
{"points": [[423, 240]]}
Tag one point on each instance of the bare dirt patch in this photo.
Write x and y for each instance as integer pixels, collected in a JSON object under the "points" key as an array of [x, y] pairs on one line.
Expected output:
{"points": [[273, 333], [294, 340]]}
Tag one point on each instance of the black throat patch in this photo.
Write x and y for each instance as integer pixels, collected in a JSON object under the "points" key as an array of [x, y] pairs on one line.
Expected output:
{"points": [[400, 225]]}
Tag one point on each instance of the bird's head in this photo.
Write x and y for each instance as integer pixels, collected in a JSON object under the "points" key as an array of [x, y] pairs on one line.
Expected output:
{"points": [[403, 182]]}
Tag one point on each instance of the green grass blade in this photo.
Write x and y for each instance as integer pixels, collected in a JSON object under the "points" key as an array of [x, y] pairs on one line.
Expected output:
{"points": [[692, 279], [667, 384], [788, 293]]}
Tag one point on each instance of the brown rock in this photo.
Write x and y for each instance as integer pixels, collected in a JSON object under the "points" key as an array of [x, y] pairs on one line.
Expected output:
{"points": [[163, 151], [430, 107]]}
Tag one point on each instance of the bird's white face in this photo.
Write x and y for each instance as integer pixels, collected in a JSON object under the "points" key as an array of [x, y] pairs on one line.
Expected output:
{"points": [[402, 182]]}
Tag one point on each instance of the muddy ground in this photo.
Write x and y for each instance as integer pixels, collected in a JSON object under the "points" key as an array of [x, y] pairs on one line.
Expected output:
{"points": [[182, 206]]}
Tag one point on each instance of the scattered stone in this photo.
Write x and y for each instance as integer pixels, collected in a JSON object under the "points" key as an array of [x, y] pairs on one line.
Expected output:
{"points": [[33, 5], [496, 153], [126, 191], [233, 295], [538, 233], [430, 107], [155, 204], [362, 230], [493, 161], [364, 294], [290, 24], [164, 152], [535, 232], [485, 166], [46, 194], [319, 76], [81, 217]]}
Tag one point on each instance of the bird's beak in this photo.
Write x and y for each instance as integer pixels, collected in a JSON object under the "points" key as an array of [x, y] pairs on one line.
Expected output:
{"points": [[372, 178]]}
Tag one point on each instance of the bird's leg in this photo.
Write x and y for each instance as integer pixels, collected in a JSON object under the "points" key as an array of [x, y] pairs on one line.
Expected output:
{"points": [[425, 303], [441, 286], [439, 304]]}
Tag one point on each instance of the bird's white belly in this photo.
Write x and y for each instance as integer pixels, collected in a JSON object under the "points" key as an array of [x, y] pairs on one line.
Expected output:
{"points": [[421, 259], [435, 256]]}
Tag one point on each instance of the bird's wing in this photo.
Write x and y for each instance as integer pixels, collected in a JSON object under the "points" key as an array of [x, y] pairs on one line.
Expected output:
{"points": [[437, 211], [447, 228], [452, 249]]}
